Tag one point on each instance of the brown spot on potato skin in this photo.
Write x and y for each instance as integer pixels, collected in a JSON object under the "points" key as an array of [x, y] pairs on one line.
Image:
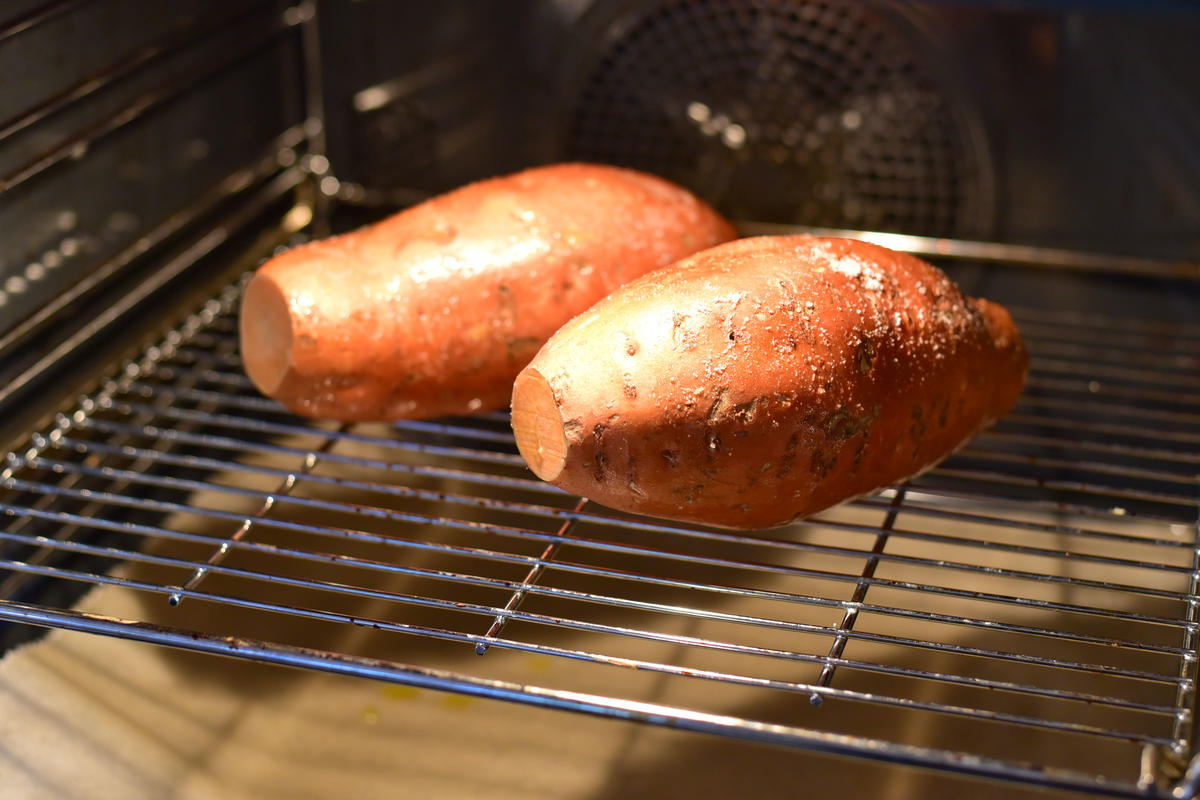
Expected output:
{"points": [[507, 304], [718, 405], [943, 414], [839, 425], [917, 427], [859, 452], [631, 478], [746, 412], [599, 460], [842, 425], [599, 463], [822, 463], [522, 348], [790, 451], [690, 493], [866, 355]]}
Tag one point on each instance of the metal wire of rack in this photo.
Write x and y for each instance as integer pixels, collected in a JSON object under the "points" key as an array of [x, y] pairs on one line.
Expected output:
{"points": [[1026, 611]]}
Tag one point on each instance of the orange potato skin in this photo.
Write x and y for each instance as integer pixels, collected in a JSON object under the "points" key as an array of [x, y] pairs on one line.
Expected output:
{"points": [[763, 380], [434, 310]]}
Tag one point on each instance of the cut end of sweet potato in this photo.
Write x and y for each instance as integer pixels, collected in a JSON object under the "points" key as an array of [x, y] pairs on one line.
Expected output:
{"points": [[266, 333], [538, 425]]}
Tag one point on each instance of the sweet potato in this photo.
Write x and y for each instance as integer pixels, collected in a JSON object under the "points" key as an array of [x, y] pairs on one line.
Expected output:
{"points": [[434, 310], [763, 380]]}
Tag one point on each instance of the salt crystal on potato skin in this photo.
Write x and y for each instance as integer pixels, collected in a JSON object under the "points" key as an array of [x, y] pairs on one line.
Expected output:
{"points": [[763, 380]]}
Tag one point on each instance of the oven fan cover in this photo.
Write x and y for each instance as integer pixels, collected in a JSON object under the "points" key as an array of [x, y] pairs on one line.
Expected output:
{"points": [[819, 113]]}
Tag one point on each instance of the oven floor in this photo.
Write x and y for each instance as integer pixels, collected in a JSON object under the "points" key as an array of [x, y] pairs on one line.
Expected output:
{"points": [[96, 717]]}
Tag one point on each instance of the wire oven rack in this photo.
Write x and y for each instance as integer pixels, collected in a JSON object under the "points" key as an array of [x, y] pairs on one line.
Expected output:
{"points": [[1025, 612]]}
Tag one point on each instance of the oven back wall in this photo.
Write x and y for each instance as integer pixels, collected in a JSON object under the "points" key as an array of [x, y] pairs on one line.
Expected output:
{"points": [[1061, 123]]}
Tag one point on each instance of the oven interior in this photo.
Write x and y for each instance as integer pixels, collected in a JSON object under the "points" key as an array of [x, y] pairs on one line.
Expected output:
{"points": [[366, 607]]}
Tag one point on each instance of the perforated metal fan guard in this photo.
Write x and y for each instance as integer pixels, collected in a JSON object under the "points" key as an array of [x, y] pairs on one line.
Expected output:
{"points": [[821, 113]]}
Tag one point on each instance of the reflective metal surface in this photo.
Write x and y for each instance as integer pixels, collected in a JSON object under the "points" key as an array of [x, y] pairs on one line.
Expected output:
{"points": [[1026, 612], [1041, 580]]}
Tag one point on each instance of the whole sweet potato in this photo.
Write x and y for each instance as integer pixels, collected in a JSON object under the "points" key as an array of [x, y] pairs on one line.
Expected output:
{"points": [[435, 309], [763, 380]]}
